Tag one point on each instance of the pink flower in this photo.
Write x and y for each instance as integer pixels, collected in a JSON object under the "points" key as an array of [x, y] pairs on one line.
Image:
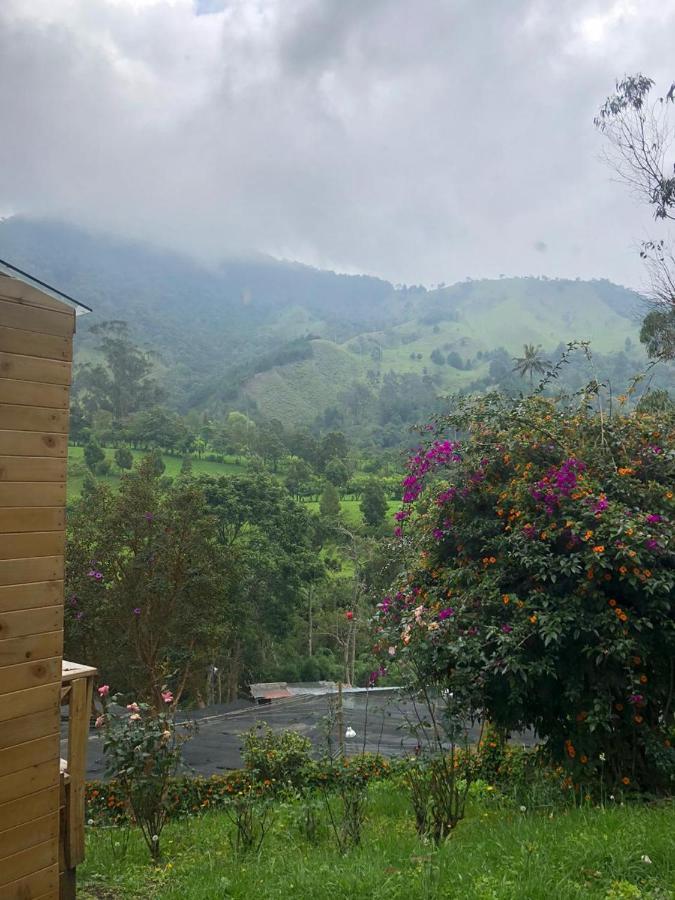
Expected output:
{"points": [[167, 696], [392, 651], [104, 690], [135, 717], [99, 722], [133, 707]]}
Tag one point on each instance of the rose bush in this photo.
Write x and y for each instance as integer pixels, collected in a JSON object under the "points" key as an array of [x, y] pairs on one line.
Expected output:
{"points": [[539, 576]]}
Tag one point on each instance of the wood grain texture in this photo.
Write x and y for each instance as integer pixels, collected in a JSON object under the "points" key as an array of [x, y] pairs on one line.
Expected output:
{"points": [[34, 806], [30, 674], [22, 703], [32, 468], [15, 417], [34, 778], [30, 443], [25, 622], [33, 393], [30, 596], [36, 493], [78, 733], [22, 571], [31, 647], [26, 728], [34, 318], [32, 518], [41, 885], [32, 753], [21, 837], [19, 291], [30, 343], [37, 543], [27, 861], [22, 367]]}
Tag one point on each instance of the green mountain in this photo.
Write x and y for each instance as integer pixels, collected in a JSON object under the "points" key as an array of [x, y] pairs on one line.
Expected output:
{"points": [[293, 342]]}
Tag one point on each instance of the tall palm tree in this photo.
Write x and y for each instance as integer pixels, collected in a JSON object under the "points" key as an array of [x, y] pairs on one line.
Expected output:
{"points": [[532, 363]]}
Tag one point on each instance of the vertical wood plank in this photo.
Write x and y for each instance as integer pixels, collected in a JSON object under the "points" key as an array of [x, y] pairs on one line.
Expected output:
{"points": [[78, 734]]}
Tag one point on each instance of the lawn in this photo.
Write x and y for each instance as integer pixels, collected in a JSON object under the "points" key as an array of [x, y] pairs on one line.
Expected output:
{"points": [[617, 853], [350, 510], [232, 466]]}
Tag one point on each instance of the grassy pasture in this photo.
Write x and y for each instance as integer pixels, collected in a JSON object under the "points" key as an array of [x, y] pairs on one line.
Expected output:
{"points": [[495, 854]]}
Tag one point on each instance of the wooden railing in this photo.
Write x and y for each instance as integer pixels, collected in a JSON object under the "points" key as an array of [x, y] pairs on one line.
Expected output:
{"points": [[77, 683]]}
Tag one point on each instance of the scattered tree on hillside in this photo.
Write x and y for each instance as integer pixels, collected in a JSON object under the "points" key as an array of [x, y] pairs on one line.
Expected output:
{"points": [[373, 503], [123, 383], [531, 363], [124, 458], [94, 454], [329, 505]]}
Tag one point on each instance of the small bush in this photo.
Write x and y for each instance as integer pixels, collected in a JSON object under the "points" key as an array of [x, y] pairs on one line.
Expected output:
{"points": [[278, 760]]}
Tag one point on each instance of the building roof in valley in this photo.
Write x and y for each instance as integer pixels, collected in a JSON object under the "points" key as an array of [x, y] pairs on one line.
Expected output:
{"points": [[7, 270]]}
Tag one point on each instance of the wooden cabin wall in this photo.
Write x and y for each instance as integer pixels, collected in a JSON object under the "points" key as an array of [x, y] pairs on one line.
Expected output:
{"points": [[35, 368]]}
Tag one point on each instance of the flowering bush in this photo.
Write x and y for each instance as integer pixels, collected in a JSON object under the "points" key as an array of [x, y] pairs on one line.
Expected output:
{"points": [[539, 577], [142, 753], [186, 796]]}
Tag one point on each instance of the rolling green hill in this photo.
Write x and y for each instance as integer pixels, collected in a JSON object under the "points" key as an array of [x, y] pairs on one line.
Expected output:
{"points": [[288, 341]]}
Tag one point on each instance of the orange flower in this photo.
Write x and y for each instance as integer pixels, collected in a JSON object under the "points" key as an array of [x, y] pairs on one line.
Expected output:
{"points": [[612, 602], [669, 495], [618, 707], [599, 549], [623, 570], [588, 535], [583, 760], [643, 679], [623, 617], [625, 470], [492, 560], [533, 619], [625, 780], [647, 573], [506, 599], [638, 720]]}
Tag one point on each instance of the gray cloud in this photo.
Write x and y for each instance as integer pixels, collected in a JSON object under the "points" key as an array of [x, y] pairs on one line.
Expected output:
{"points": [[421, 141]]}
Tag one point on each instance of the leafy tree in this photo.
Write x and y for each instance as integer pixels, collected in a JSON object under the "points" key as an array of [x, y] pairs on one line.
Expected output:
{"points": [[337, 473], [438, 357], [373, 503], [455, 360], [147, 583], [124, 458], [93, 454], [333, 446], [531, 363], [155, 463], [329, 505], [298, 477], [269, 537], [639, 130], [540, 578], [123, 383]]}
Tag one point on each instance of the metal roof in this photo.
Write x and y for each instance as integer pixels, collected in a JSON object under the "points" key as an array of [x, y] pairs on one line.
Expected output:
{"points": [[7, 268]]}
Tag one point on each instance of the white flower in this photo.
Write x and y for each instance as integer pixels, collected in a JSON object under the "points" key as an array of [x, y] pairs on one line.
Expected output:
{"points": [[155, 838], [602, 757], [523, 809], [90, 821], [645, 859], [350, 733], [392, 651], [611, 797]]}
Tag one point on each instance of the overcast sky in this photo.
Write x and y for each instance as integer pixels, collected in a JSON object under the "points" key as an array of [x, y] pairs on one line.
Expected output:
{"points": [[420, 140]]}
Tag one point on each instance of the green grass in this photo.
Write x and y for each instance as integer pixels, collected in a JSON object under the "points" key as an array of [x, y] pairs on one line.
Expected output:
{"points": [[76, 474], [350, 510], [494, 853]]}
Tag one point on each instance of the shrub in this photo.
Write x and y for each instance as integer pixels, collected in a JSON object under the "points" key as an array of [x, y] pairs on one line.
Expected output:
{"points": [[539, 578], [124, 458], [142, 753], [277, 759]]}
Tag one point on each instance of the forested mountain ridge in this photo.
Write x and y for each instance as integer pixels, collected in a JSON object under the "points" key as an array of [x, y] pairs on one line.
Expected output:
{"points": [[298, 343]]}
